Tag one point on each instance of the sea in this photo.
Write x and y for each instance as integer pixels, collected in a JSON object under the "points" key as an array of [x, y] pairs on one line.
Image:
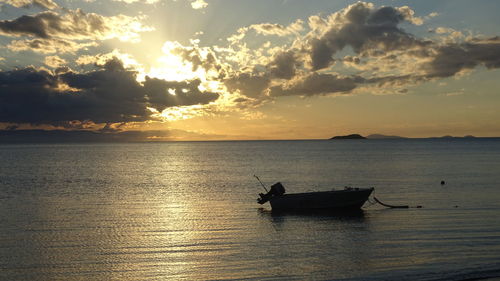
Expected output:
{"points": [[188, 211]]}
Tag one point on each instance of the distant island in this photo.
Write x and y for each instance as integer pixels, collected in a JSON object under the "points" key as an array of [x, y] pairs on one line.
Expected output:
{"points": [[360, 137], [349, 137], [453, 137], [386, 137]]}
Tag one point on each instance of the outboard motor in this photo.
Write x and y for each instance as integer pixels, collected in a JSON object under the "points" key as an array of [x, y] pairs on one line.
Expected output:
{"points": [[277, 189]]}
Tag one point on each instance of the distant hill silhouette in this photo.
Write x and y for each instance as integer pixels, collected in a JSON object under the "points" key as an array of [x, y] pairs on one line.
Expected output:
{"points": [[63, 136], [48, 136], [387, 137], [349, 137], [380, 136], [453, 137]]}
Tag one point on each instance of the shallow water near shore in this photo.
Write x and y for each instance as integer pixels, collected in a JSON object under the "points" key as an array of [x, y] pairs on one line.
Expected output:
{"points": [[187, 210]]}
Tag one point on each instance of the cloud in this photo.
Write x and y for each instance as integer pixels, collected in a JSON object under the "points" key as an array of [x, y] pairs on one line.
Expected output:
{"points": [[47, 4], [269, 29], [199, 57], [374, 53], [283, 65], [54, 61], [199, 4], [74, 24], [316, 84], [195, 4], [33, 96], [101, 59], [363, 28], [452, 34], [110, 94], [278, 29], [55, 31], [162, 94], [372, 36], [432, 15], [248, 84], [48, 46], [359, 48], [450, 59]]}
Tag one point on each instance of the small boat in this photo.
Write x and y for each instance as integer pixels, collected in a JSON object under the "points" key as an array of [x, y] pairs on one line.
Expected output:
{"points": [[348, 198]]}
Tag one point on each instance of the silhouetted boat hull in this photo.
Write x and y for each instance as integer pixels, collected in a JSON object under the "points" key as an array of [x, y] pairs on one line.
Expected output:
{"points": [[347, 199]]}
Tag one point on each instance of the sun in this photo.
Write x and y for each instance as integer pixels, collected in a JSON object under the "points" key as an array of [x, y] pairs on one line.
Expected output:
{"points": [[172, 67]]}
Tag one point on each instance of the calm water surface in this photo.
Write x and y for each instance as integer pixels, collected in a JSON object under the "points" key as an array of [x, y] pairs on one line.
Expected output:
{"points": [[155, 211]]}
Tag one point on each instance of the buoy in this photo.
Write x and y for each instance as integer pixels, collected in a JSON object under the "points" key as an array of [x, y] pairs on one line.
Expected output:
{"points": [[442, 182]]}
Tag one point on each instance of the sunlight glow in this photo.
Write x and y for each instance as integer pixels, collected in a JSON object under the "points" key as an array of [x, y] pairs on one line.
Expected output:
{"points": [[171, 92], [172, 67], [181, 113]]}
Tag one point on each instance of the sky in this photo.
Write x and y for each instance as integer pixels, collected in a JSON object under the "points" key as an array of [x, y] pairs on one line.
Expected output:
{"points": [[162, 70]]}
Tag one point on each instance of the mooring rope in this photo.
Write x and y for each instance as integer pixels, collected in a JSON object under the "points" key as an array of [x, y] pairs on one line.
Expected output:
{"points": [[394, 206], [377, 201]]}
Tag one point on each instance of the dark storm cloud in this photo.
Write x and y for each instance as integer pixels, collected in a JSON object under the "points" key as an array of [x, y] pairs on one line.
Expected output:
{"points": [[108, 95], [183, 93], [37, 25], [283, 65], [249, 84], [33, 96], [75, 24], [452, 58], [255, 84], [363, 28], [317, 84], [64, 30]]}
